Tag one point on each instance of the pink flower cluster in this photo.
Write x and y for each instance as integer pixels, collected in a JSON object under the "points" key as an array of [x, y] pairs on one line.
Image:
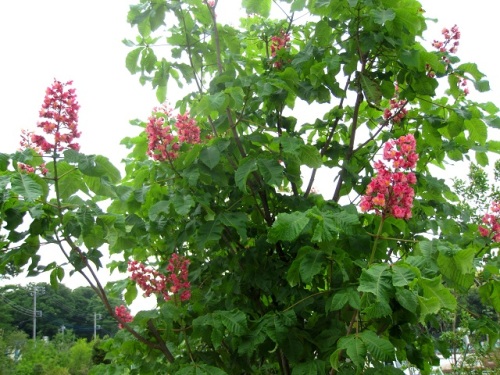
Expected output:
{"points": [[396, 111], [279, 42], [389, 192], [163, 142], [450, 37], [491, 227], [211, 3], [123, 314], [59, 116], [154, 282]]}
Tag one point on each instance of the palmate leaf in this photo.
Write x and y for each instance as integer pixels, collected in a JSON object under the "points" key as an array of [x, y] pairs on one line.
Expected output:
{"points": [[380, 348], [209, 232], [237, 220], [71, 180], [287, 227], [330, 224], [235, 321], [247, 166], [407, 299], [355, 349], [371, 89], [210, 156], [403, 274], [428, 306], [433, 288], [312, 264], [28, 186], [458, 267], [271, 170], [378, 281]]}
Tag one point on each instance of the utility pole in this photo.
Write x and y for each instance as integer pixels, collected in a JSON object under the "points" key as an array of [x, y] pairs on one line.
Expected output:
{"points": [[96, 317], [40, 290]]}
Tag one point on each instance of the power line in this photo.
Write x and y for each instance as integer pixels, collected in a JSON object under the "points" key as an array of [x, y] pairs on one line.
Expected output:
{"points": [[18, 308]]}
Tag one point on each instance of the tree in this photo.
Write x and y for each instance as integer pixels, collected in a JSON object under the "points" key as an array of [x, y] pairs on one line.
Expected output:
{"points": [[62, 307], [254, 271]]}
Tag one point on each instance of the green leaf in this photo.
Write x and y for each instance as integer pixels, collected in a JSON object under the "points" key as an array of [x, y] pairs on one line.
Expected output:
{"points": [[27, 186], [380, 348], [247, 166], [355, 349], [381, 16], [182, 203], [287, 227], [371, 89], [260, 7], [310, 156], [4, 162], [210, 156], [235, 321], [298, 5], [407, 299], [478, 131], [482, 86], [271, 170], [472, 69], [433, 288], [130, 293], [457, 266], [330, 224], [160, 207], [339, 300], [311, 265], [428, 306], [71, 180], [309, 368], [209, 232], [56, 276], [132, 59], [402, 274], [237, 220], [98, 166], [197, 369], [161, 93], [377, 280]]}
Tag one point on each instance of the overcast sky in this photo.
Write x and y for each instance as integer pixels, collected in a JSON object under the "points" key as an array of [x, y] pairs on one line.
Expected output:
{"points": [[81, 41]]}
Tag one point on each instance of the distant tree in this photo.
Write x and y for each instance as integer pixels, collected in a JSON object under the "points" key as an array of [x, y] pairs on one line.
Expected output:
{"points": [[61, 309]]}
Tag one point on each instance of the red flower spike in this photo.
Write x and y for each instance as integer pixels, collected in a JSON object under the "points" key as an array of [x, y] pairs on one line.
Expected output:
{"points": [[389, 192], [175, 282], [124, 314], [491, 227], [279, 42], [163, 139]]}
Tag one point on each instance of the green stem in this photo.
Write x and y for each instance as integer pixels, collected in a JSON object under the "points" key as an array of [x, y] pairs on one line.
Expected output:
{"points": [[375, 243]]}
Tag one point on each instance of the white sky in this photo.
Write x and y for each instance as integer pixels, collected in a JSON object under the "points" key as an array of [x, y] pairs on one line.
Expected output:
{"points": [[81, 41]]}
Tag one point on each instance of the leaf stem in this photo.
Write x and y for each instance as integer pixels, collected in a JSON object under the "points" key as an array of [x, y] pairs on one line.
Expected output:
{"points": [[375, 242]]}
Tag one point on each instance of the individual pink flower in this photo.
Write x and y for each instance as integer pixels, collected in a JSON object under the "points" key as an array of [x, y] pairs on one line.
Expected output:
{"points": [[389, 192], [123, 314]]}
